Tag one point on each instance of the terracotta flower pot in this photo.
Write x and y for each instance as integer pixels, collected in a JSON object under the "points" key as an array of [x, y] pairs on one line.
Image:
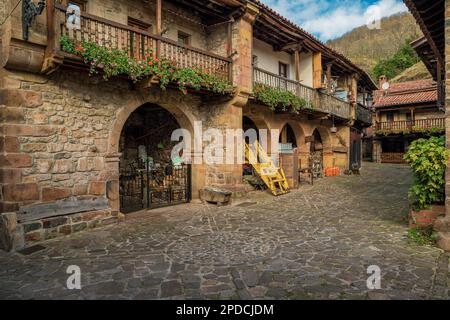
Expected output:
{"points": [[425, 218]]}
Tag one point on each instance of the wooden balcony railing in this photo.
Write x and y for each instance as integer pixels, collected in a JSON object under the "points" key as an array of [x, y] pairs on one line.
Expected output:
{"points": [[411, 126], [364, 115], [315, 100], [334, 105], [392, 157], [138, 42]]}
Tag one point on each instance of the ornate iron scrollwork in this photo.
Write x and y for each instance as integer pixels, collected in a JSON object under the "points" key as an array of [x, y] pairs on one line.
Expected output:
{"points": [[29, 12]]}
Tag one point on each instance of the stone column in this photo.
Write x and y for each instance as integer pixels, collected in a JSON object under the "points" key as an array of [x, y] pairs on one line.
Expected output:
{"points": [[243, 46], [229, 115], [443, 224]]}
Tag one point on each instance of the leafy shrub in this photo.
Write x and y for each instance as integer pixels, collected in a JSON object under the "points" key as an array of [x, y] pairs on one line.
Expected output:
{"points": [[424, 236], [113, 62], [277, 99], [403, 59], [428, 160]]}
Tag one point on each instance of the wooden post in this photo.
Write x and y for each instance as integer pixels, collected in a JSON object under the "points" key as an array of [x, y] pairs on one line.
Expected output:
{"points": [[317, 70], [51, 24], [230, 49], [158, 26], [440, 101], [364, 93], [329, 79], [51, 37], [297, 63]]}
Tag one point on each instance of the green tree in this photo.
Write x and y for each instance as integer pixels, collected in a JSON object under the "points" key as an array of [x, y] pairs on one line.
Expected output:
{"points": [[403, 59]]}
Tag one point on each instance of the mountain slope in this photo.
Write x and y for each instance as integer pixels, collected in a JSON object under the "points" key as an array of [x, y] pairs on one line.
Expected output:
{"points": [[367, 47], [416, 72]]}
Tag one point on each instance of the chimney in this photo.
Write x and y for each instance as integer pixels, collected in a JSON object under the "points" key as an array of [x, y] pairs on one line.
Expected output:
{"points": [[382, 80]]}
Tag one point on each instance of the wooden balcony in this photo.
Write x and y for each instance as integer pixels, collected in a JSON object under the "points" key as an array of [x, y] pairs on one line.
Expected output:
{"points": [[137, 43], [364, 115], [316, 101], [416, 126]]}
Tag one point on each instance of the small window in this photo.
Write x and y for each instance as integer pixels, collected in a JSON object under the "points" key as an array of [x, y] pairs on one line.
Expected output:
{"points": [[283, 70], [79, 3], [138, 24], [184, 38], [255, 61]]}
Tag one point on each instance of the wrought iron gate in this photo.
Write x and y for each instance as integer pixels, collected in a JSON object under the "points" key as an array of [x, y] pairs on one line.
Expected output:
{"points": [[142, 186]]}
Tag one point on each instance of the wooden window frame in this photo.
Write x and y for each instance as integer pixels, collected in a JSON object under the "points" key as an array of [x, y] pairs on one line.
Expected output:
{"points": [[185, 36], [286, 67], [255, 61], [139, 24], [81, 3]]}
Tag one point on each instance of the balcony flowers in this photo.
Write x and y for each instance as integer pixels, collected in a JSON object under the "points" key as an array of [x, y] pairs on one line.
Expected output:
{"points": [[113, 62]]}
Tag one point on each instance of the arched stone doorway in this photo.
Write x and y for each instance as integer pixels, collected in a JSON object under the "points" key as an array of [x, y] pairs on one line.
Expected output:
{"points": [[150, 174], [317, 154], [251, 133], [288, 136], [249, 124], [317, 143]]}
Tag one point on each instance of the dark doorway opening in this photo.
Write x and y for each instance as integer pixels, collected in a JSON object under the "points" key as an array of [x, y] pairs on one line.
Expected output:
{"points": [[150, 174]]}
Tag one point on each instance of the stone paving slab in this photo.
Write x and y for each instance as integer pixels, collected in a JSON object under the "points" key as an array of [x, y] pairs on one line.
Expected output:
{"points": [[314, 243]]}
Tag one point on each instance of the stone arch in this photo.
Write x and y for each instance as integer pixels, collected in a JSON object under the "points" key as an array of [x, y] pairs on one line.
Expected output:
{"points": [[110, 175], [327, 153], [299, 132], [184, 118], [325, 136], [261, 124]]}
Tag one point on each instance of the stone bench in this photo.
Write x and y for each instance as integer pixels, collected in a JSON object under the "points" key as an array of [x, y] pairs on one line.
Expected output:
{"points": [[216, 196]]}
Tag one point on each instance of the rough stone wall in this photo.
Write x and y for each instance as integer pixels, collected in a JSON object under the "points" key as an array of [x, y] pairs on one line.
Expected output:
{"points": [[173, 18], [217, 39], [3, 11], [443, 224], [57, 130]]}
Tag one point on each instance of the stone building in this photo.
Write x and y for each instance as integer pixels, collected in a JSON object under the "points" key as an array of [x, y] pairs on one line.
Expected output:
{"points": [[405, 112], [74, 130], [434, 50]]}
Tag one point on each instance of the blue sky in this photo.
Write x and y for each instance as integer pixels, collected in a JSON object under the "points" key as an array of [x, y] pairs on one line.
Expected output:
{"points": [[329, 19]]}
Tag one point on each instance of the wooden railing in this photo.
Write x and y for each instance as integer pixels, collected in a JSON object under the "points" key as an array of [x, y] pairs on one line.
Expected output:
{"points": [[138, 43], [416, 125], [315, 100], [392, 157], [364, 114], [335, 106]]}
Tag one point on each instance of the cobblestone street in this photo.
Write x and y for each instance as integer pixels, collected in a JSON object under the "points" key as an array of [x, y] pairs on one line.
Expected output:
{"points": [[315, 243]]}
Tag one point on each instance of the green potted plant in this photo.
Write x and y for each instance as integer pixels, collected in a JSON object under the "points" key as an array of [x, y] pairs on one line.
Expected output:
{"points": [[428, 159]]}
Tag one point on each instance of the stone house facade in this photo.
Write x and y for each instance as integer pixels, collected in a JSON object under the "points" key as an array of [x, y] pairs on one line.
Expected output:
{"points": [[405, 112], [63, 131]]}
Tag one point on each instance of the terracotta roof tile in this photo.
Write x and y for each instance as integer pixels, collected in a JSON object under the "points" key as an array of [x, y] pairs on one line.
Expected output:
{"points": [[406, 93]]}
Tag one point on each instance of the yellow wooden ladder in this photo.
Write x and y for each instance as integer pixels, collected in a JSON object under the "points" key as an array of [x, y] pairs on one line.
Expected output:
{"points": [[272, 176]]}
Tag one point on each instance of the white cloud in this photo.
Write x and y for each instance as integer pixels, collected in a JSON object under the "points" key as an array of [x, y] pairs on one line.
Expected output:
{"points": [[329, 19]]}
